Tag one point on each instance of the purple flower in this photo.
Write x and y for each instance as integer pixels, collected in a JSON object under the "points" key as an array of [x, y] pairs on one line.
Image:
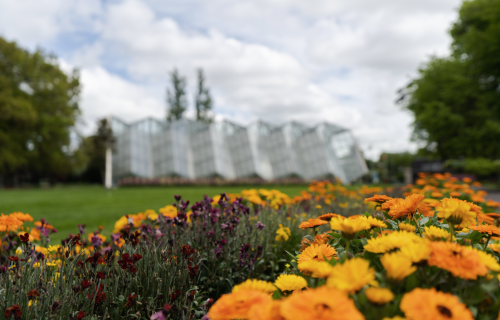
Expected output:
{"points": [[260, 225], [81, 228], [225, 225], [96, 241], [115, 237]]}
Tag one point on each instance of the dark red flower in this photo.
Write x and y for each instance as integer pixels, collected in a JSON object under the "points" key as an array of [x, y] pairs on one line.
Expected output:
{"points": [[80, 264], [125, 261], [101, 275], [14, 310], [130, 299], [25, 237], [86, 284], [80, 315], [193, 270], [137, 257], [33, 293], [174, 295], [132, 269]]}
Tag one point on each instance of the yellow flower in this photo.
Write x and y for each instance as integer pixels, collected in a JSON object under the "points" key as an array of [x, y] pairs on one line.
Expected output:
{"points": [[317, 252], [290, 282], [488, 260], [391, 241], [54, 263], [406, 227], [254, 284], [417, 252], [120, 224], [349, 227], [19, 251], [54, 248], [434, 233], [375, 223], [169, 211], [283, 233], [495, 247], [41, 249], [318, 269], [456, 211], [394, 318], [379, 295], [352, 275], [397, 266]]}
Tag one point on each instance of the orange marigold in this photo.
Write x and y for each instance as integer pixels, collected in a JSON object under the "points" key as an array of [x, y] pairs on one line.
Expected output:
{"points": [[320, 238], [429, 304], [21, 216], [267, 311], [320, 304], [329, 216], [406, 207], [459, 260], [317, 253], [237, 305], [378, 198], [489, 229], [312, 223]]}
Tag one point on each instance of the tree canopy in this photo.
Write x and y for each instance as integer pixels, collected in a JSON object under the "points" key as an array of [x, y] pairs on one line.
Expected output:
{"points": [[456, 99], [38, 108], [176, 97], [203, 100]]}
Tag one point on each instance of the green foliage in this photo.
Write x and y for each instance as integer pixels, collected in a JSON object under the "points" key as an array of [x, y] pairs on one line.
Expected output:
{"points": [[203, 100], [480, 167], [176, 99], [391, 165], [455, 100], [38, 108]]}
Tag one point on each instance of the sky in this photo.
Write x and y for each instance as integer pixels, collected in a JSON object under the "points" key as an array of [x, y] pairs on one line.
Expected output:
{"points": [[273, 60]]}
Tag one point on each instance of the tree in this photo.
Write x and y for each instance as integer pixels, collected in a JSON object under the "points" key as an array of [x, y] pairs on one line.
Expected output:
{"points": [[456, 99], [176, 100], [203, 100], [38, 109]]}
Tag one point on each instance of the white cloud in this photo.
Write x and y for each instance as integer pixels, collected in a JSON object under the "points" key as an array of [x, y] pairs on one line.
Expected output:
{"points": [[339, 61]]}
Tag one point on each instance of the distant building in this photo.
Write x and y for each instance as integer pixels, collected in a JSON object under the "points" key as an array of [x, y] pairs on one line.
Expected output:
{"points": [[151, 149]]}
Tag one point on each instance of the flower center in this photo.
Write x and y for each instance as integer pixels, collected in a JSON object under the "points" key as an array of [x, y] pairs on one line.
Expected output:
{"points": [[444, 311], [321, 309], [315, 257]]}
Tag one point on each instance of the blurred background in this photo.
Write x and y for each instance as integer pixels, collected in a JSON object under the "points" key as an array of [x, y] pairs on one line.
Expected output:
{"points": [[416, 82]]}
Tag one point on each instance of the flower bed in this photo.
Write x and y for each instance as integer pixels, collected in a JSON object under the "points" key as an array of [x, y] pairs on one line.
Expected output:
{"points": [[260, 254]]}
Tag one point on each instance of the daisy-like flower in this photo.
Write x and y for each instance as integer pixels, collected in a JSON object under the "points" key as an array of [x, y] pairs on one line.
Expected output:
{"points": [[429, 304], [320, 304], [495, 247], [461, 261], [391, 241], [486, 229], [329, 216], [317, 269], [312, 223], [267, 311], [416, 252], [397, 266], [457, 212], [349, 227], [317, 252], [407, 227], [379, 295], [320, 238], [405, 207], [488, 260], [237, 305], [290, 282], [253, 284], [434, 233], [352, 275], [374, 222], [378, 198]]}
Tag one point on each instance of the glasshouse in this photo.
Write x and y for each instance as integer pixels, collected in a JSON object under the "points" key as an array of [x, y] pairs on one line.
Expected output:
{"points": [[151, 149]]}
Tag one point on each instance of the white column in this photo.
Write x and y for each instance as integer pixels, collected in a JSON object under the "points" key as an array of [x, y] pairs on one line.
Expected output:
{"points": [[108, 170]]}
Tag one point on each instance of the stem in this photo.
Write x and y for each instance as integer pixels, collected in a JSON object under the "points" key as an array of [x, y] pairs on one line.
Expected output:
{"points": [[452, 229], [418, 225], [487, 241], [348, 244]]}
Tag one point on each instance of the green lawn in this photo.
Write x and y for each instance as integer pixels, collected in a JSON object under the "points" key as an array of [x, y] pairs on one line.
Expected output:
{"points": [[66, 207]]}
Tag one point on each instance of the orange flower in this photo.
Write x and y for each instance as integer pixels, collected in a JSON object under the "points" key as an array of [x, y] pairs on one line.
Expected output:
{"points": [[329, 216], [319, 304], [455, 194], [266, 311], [317, 253], [9, 223], [35, 234], [237, 305], [486, 229], [321, 238], [429, 304], [378, 198], [406, 207], [21, 216], [460, 261], [312, 223], [45, 225]]}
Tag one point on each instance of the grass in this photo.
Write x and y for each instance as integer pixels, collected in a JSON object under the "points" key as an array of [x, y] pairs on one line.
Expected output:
{"points": [[66, 207]]}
